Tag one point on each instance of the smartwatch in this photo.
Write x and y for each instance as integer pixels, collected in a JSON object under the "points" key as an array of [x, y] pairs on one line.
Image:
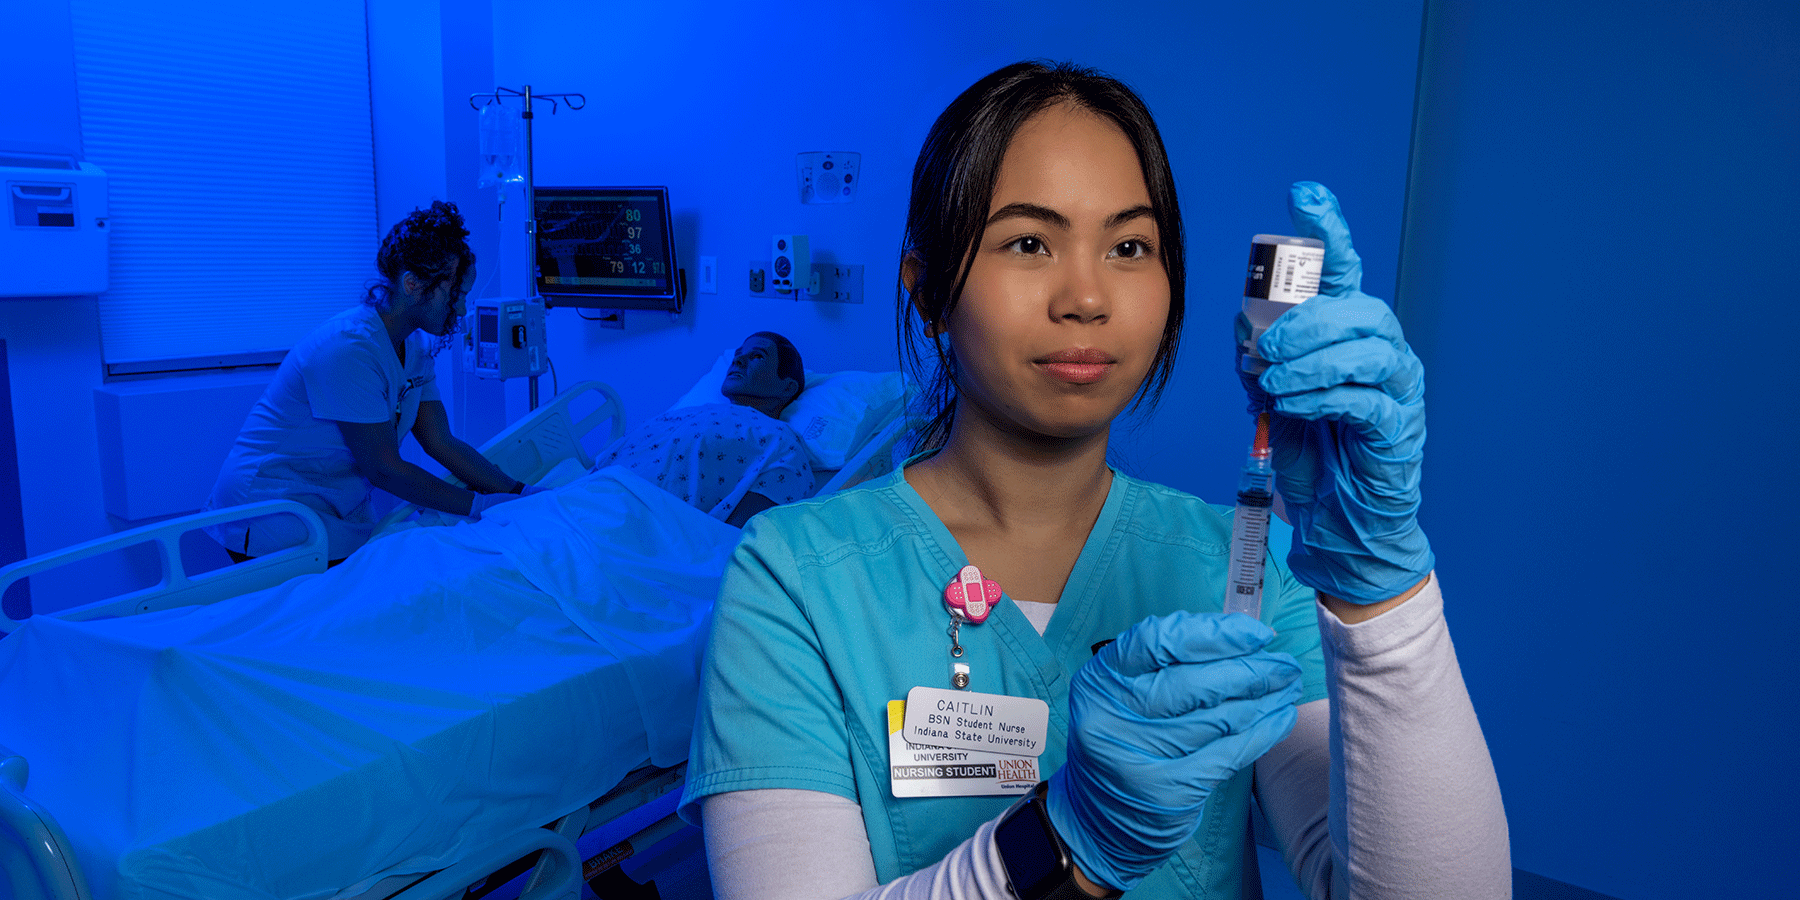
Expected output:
{"points": [[1038, 864]]}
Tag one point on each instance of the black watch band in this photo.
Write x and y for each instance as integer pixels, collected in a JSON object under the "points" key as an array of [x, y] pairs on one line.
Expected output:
{"points": [[1037, 862]]}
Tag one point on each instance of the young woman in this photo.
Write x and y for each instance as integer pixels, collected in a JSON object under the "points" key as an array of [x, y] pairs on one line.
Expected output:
{"points": [[1043, 268], [328, 428]]}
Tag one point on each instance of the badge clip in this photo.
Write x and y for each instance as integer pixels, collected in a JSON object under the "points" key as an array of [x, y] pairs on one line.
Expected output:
{"points": [[971, 596]]}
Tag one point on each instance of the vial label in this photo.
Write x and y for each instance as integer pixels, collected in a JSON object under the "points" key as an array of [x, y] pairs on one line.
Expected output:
{"points": [[1284, 273]]}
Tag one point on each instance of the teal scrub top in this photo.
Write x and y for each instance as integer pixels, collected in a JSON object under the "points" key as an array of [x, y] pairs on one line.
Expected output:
{"points": [[832, 607]]}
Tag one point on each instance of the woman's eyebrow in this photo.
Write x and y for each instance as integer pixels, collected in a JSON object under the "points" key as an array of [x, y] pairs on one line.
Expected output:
{"points": [[1126, 215], [1057, 220], [1042, 214]]}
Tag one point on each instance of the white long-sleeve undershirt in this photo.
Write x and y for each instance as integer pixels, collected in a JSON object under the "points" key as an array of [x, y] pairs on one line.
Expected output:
{"points": [[1384, 791]]}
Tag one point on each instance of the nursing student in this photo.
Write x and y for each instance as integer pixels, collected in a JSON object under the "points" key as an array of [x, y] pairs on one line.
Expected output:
{"points": [[327, 430], [1042, 274]]}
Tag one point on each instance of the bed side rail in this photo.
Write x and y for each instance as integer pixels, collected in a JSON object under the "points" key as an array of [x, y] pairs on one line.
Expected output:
{"points": [[34, 852], [529, 448], [872, 459], [532, 446], [177, 588], [559, 863]]}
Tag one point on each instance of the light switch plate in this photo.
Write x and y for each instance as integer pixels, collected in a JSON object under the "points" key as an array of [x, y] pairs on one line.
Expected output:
{"points": [[709, 274]]}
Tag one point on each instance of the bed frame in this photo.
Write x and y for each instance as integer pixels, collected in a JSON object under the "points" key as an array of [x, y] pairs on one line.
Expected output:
{"points": [[34, 851], [525, 450]]}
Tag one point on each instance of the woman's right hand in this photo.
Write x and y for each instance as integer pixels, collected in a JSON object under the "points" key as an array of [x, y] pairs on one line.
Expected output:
{"points": [[485, 502], [1158, 718]]}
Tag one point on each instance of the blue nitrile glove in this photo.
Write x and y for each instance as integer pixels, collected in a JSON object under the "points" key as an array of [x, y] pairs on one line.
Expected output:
{"points": [[530, 489], [1157, 719], [1348, 425]]}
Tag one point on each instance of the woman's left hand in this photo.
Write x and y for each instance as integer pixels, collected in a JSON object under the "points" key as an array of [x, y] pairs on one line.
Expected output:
{"points": [[1347, 428]]}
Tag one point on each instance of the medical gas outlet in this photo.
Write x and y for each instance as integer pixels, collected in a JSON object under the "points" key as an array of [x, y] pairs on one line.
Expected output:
{"points": [[505, 338]]}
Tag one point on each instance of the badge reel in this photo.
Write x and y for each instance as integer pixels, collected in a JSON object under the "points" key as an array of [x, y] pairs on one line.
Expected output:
{"points": [[969, 598]]}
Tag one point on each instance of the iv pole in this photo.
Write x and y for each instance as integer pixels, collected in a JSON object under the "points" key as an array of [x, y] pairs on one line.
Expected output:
{"points": [[573, 101]]}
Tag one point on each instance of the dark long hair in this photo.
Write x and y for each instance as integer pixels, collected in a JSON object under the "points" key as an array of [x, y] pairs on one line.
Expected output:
{"points": [[953, 186]]}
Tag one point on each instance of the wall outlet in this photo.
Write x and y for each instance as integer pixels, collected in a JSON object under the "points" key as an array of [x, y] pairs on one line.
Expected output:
{"points": [[828, 283], [758, 279]]}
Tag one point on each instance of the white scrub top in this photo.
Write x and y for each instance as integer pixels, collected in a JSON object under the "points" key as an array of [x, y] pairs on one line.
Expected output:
{"points": [[290, 446]]}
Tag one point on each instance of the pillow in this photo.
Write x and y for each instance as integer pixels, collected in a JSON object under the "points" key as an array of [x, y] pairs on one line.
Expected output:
{"points": [[836, 413]]}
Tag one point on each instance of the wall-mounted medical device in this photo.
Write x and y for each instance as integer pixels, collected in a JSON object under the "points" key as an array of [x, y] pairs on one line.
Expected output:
{"points": [[505, 338], [610, 248], [790, 264], [53, 240], [828, 176]]}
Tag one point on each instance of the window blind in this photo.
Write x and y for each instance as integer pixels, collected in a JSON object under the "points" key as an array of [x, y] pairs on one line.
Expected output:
{"points": [[242, 184]]}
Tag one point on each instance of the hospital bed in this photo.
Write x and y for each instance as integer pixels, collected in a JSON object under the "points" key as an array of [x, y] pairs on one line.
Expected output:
{"points": [[501, 755]]}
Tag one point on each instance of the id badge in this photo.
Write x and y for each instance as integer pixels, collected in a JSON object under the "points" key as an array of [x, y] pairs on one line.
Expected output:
{"points": [[996, 723], [924, 770]]}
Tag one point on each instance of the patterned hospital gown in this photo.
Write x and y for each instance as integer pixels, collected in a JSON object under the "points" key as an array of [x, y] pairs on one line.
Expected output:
{"points": [[710, 456]]}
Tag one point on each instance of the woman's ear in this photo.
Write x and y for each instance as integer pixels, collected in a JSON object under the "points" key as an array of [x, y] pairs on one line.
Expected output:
{"points": [[410, 285], [912, 277]]}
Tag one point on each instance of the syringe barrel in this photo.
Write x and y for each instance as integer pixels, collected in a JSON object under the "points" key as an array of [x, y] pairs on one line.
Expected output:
{"points": [[1249, 546]]}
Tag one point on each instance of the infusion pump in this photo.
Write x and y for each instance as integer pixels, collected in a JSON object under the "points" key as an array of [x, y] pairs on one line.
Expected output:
{"points": [[505, 338]]}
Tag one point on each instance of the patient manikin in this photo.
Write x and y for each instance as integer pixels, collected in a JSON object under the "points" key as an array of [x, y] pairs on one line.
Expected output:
{"points": [[728, 460]]}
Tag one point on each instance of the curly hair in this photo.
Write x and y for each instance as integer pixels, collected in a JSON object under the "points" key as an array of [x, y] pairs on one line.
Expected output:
{"points": [[432, 244]]}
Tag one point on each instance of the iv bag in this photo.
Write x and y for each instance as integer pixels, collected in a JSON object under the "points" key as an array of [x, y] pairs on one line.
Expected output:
{"points": [[502, 140]]}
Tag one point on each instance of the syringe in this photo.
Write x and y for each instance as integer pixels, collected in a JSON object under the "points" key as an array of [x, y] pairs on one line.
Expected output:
{"points": [[1250, 527]]}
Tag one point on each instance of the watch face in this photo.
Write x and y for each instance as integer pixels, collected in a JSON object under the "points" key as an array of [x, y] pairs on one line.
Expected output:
{"points": [[1029, 850]]}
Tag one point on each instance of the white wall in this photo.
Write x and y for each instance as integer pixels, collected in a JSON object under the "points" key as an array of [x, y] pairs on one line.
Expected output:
{"points": [[53, 343]]}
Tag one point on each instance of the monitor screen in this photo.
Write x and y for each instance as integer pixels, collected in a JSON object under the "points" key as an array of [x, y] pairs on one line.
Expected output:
{"points": [[606, 247]]}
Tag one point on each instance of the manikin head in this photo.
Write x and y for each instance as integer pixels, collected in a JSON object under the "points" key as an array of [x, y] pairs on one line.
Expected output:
{"points": [[765, 374]]}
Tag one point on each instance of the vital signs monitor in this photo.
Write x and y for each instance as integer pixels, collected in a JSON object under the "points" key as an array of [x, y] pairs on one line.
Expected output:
{"points": [[610, 247]]}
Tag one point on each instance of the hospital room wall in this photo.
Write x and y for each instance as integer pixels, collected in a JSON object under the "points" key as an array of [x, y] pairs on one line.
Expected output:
{"points": [[1599, 274], [680, 95], [53, 343], [714, 100]]}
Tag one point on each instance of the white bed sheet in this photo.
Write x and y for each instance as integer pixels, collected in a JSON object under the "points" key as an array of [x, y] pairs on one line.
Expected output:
{"points": [[442, 689]]}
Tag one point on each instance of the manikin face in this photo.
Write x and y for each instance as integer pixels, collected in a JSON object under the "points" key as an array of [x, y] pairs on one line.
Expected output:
{"points": [[753, 374], [1067, 297]]}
